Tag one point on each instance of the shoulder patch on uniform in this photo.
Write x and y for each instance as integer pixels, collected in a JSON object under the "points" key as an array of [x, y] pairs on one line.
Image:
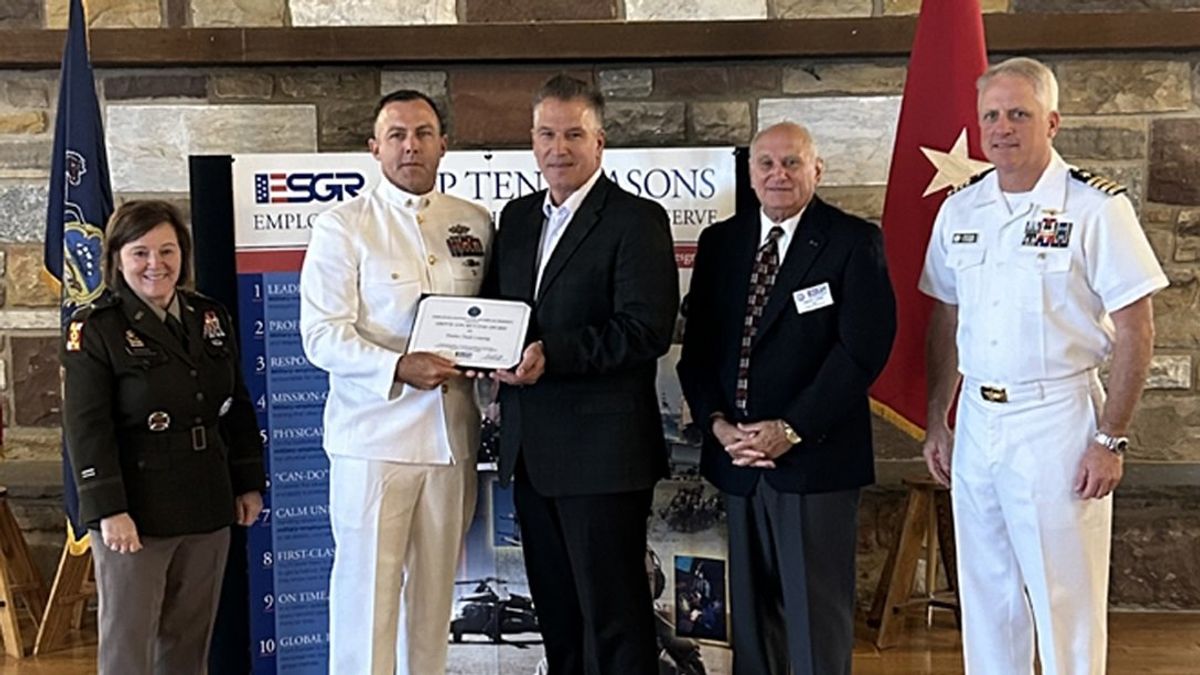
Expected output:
{"points": [[95, 307], [1105, 185], [74, 335], [971, 181]]}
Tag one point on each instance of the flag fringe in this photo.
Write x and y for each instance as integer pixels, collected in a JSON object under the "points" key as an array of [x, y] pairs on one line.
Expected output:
{"points": [[77, 547], [52, 282], [897, 420]]}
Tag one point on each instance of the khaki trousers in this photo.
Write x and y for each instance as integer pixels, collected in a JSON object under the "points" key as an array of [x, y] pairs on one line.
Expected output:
{"points": [[157, 606], [398, 529]]}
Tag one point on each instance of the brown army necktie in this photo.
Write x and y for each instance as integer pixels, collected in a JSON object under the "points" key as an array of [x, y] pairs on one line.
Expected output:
{"points": [[766, 264]]}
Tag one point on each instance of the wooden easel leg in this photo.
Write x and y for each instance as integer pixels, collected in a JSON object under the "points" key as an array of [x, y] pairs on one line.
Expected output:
{"points": [[931, 558], [875, 615], [10, 621], [20, 582], [949, 552], [71, 591], [901, 580], [89, 589]]}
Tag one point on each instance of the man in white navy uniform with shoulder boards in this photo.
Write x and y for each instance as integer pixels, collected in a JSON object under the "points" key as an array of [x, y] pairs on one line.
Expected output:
{"points": [[401, 428], [1040, 272]]}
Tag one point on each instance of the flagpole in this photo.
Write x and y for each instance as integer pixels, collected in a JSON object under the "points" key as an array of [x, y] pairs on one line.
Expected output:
{"points": [[80, 202]]}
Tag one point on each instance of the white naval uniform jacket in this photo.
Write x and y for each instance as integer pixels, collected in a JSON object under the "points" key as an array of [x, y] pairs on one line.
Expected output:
{"points": [[368, 263], [1035, 288]]}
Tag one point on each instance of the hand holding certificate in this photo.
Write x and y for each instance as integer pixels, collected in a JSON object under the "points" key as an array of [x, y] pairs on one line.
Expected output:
{"points": [[475, 333]]}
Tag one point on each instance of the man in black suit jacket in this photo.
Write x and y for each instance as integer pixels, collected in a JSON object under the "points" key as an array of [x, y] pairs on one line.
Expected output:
{"points": [[581, 435], [787, 420]]}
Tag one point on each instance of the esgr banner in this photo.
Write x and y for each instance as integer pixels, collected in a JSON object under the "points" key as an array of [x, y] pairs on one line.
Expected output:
{"points": [[276, 197], [276, 200]]}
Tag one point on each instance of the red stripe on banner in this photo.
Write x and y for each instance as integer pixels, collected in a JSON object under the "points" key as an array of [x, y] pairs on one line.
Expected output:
{"points": [[278, 176], [257, 262], [279, 200], [279, 188], [685, 256]]}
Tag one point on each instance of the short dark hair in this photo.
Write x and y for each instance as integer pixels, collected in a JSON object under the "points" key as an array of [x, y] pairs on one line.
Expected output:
{"points": [[566, 88], [403, 95], [130, 222]]}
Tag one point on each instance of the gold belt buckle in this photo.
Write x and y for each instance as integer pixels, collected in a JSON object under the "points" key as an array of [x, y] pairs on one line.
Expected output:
{"points": [[994, 394]]}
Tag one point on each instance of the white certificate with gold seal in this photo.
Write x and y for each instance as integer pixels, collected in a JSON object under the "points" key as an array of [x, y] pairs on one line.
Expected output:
{"points": [[475, 333]]}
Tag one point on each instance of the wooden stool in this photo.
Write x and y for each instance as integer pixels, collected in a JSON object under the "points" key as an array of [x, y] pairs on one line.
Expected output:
{"points": [[19, 581], [74, 586], [929, 525]]}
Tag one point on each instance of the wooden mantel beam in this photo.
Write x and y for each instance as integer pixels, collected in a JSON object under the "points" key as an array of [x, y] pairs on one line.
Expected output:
{"points": [[594, 41]]}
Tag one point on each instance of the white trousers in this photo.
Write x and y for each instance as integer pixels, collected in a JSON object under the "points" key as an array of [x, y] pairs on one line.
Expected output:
{"points": [[398, 529], [1030, 551]]}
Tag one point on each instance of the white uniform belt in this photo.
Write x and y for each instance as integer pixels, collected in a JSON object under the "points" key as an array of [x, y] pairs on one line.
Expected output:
{"points": [[996, 392]]}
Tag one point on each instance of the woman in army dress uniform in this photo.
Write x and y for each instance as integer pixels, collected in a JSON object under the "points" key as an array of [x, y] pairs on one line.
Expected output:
{"points": [[164, 444]]}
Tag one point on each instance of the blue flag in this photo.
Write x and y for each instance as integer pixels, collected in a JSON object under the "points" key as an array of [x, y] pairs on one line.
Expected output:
{"points": [[80, 204]]}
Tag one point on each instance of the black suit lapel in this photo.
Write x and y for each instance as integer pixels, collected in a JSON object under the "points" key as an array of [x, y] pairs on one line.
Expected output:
{"points": [[807, 244], [582, 222], [525, 250], [744, 251]]}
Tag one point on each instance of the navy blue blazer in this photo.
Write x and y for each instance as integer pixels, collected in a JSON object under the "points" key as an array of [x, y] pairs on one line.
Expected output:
{"points": [[810, 368]]}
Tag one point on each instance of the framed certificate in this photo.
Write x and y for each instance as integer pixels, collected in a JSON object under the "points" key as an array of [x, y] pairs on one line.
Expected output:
{"points": [[473, 332]]}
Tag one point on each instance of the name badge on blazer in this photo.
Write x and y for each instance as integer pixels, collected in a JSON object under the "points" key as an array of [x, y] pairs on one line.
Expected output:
{"points": [[813, 297]]}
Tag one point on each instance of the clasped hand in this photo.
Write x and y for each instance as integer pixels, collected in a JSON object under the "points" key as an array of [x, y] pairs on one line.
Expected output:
{"points": [[752, 444]]}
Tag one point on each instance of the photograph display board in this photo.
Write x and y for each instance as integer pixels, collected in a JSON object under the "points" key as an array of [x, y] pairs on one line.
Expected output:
{"points": [[276, 198]]}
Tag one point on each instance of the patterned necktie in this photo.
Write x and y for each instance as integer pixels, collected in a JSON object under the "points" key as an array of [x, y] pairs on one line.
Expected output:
{"points": [[766, 264]]}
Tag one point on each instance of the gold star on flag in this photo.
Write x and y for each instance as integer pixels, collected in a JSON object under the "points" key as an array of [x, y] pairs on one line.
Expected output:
{"points": [[954, 167]]}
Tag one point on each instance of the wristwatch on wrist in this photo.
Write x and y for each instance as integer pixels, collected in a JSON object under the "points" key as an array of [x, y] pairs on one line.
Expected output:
{"points": [[1116, 444], [790, 433]]}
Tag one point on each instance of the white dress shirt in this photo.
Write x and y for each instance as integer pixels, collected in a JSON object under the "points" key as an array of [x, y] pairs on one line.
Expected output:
{"points": [[557, 219], [789, 231]]}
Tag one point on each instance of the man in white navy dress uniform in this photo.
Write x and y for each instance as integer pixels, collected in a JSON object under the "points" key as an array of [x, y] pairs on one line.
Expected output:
{"points": [[401, 428], [1040, 273]]}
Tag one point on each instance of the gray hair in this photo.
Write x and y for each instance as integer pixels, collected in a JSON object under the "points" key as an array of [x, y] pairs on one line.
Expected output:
{"points": [[566, 88], [793, 127], [1045, 85]]}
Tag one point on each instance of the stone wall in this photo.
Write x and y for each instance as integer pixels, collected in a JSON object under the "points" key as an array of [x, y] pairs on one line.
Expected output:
{"points": [[1132, 116]]}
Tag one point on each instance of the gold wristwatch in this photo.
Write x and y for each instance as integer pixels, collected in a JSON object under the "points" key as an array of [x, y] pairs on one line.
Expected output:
{"points": [[790, 433]]}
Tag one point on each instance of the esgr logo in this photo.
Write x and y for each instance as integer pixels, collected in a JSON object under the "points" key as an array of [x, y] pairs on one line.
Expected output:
{"points": [[303, 188]]}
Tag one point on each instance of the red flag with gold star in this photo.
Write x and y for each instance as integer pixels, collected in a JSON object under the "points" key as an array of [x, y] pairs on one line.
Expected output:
{"points": [[936, 137]]}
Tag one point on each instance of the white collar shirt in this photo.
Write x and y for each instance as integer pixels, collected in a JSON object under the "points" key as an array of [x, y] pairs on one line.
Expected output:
{"points": [[1035, 288], [556, 222], [789, 226]]}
